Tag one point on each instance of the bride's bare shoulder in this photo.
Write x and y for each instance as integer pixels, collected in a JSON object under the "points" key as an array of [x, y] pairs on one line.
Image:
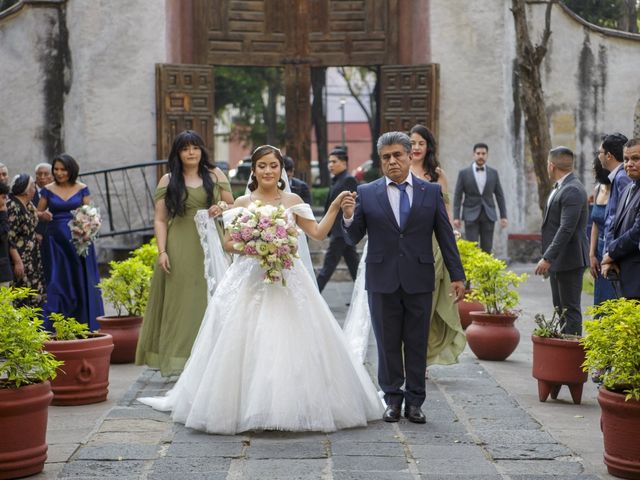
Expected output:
{"points": [[242, 201], [290, 199]]}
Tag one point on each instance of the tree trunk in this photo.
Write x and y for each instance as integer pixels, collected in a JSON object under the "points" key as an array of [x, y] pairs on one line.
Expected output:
{"points": [[628, 16], [529, 58], [270, 112], [319, 120]]}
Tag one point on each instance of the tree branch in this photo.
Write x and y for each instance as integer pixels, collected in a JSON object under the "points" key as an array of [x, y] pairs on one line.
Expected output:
{"points": [[541, 48]]}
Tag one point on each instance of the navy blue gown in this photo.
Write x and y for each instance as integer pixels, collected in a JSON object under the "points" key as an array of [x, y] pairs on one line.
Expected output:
{"points": [[71, 279]]}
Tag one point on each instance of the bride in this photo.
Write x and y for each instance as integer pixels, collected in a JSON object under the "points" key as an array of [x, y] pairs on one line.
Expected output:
{"points": [[268, 356]]}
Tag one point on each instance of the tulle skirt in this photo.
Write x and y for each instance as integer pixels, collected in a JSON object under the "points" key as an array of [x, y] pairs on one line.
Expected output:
{"points": [[270, 357]]}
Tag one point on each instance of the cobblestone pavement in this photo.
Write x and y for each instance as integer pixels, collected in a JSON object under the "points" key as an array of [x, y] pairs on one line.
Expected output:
{"points": [[476, 430]]}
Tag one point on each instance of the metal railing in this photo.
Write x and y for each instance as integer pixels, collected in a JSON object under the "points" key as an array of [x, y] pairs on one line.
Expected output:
{"points": [[124, 196]]}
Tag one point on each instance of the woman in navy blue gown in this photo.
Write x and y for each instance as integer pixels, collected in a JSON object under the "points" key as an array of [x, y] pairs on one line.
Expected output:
{"points": [[71, 279]]}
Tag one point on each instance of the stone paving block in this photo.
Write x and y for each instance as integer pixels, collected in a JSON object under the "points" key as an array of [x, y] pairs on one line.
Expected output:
{"points": [[134, 425], [534, 451], [278, 436], [277, 469], [550, 477], [204, 450], [134, 437], [372, 476], [558, 468], [372, 449], [191, 476], [287, 450], [117, 452], [184, 467], [103, 469], [139, 411], [364, 435], [183, 434], [516, 422], [439, 438], [446, 460], [510, 437], [364, 463], [471, 476]]}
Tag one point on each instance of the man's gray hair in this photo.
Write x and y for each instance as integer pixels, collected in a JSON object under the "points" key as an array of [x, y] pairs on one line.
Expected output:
{"points": [[394, 138], [43, 165]]}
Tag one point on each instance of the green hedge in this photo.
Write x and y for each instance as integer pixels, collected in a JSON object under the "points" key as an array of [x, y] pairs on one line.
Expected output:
{"points": [[319, 196]]}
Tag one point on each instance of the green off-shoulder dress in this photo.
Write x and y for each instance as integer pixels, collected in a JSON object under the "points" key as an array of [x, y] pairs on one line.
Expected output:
{"points": [[177, 301]]}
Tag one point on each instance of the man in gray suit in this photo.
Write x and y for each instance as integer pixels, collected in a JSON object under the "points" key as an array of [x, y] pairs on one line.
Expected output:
{"points": [[564, 239], [479, 183]]}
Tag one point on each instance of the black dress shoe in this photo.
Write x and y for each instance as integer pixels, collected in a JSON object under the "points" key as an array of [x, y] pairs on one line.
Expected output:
{"points": [[414, 414], [392, 413]]}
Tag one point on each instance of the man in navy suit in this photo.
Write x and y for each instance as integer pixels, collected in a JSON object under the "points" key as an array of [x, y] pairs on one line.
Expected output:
{"points": [[479, 183], [400, 213], [43, 177], [622, 253]]}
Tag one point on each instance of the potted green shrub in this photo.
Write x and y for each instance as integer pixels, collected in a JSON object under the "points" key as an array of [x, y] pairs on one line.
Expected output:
{"points": [[25, 389], [557, 358], [470, 254], [84, 378], [612, 346], [492, 335], [127, 289]]}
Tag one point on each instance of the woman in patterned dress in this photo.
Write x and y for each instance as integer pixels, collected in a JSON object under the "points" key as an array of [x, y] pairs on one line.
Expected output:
{"points": [[22, 236]]}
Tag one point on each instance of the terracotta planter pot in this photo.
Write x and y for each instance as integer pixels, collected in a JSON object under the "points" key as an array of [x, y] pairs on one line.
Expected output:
{"points": [[465, 307], [125, 332], [620, 424], [84, 377], [23, 423], [492, 336], [557, 362]]}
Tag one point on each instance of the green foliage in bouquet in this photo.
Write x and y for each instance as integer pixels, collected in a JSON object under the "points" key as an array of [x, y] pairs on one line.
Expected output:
{"points": [[493, 285], [147, 253], [23, 360], [612, 345], [68, 328], [127, 287]]}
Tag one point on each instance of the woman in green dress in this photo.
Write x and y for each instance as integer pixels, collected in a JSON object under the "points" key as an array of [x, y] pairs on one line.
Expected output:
{"points": [[446, 336], [178, 295]]}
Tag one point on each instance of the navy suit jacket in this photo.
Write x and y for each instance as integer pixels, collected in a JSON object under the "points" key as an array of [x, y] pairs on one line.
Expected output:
{"points": [[623, 247], [403, 258]]}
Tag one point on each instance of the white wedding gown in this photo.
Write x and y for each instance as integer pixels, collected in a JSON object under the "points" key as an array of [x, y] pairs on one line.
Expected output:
{"points": [[270, 357]]}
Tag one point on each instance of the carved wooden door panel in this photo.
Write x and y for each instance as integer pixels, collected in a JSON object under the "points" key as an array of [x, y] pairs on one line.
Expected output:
{"points": [[184, 101], [409, 95]]}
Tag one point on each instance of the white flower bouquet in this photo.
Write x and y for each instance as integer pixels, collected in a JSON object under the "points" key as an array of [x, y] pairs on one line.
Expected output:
{"points": [[84, 225], [265, 232]]}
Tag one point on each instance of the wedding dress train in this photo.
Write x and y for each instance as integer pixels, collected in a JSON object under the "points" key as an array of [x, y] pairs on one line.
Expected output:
{"points": [[270, 357]]}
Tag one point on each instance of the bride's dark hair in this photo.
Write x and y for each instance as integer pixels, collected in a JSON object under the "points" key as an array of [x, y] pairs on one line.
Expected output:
{"points": [[176, 190], [257, 154]]}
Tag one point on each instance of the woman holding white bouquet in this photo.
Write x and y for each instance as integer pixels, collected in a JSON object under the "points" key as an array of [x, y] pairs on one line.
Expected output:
{"points": [[71, 269], [269, 354]]}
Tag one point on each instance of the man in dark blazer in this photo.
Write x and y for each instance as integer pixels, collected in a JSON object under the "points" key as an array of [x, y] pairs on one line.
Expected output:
{"points": [[565, 248], [400, 213], [479, 183], [623, 252], [341, 180], [297, 186]]}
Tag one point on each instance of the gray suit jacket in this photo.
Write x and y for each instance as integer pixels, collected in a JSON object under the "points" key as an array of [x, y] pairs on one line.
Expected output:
{"points": [[474, 201], [564, 227]]}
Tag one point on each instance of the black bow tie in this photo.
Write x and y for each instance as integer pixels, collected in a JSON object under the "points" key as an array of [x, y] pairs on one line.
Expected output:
{"points": [[479, 169]]}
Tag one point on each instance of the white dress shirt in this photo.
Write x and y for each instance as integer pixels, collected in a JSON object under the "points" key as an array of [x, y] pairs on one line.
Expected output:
{"points": [[481, 176], [393, 193]]}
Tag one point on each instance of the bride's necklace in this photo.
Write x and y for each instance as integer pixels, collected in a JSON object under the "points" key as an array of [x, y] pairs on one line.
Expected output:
{"points": [[277, 200]]}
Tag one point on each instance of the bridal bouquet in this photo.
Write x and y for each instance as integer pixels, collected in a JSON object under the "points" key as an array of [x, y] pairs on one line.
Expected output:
{"points": [[84, 225], [265, 232]]}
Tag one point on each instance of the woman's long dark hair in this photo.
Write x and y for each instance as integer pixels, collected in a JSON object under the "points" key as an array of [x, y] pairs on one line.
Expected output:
{"points": [[430, 162], [176, 196], [257, 154]]}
